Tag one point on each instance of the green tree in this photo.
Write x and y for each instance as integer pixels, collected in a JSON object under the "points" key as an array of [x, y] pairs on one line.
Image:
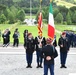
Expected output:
{"points": [[59, 18], [56, 11], [63, 10], [46, 13], [2, 18], [2, 8], [11, 17], [74, 18], [6, 12], [21, 15], [68, 19], [14, 10]]}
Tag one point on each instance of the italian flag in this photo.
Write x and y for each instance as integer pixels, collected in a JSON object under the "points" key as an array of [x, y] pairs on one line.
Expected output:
{"points": [[51, 27]]}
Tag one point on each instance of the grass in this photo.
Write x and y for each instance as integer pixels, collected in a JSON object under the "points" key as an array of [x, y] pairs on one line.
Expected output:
{"points": [[4, 26], [34, 30], [28, 16], [64, 3], [65, 27]]}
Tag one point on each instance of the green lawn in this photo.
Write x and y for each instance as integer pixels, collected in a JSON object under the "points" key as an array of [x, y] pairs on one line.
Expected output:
{"points": [[34, 30], [65, 27], [4, 26], [64, 3]]}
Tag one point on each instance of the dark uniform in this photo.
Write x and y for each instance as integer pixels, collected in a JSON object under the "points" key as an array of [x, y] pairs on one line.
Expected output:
{"points": [[25, 35], [29, 50], [8, 37], [49, 51], [40, 42], [5, 37], [64, 47], [16, 39]]}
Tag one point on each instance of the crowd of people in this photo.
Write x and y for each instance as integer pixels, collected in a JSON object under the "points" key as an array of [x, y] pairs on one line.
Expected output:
{"points": [[71, 37], [6, 37], [45, 48]]}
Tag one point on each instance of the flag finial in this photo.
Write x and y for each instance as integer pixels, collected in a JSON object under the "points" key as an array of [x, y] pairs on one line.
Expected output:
{"points": [[50, 0], [40, 0]]}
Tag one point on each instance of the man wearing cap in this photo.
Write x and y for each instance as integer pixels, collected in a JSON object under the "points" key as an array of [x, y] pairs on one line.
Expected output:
{"points": [[49, 53], [29, 50], [64, 48]]}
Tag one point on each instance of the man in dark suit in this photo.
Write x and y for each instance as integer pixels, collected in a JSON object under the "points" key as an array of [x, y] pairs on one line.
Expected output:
{"points": [[29, 50], [49, 53], [64, 48]]}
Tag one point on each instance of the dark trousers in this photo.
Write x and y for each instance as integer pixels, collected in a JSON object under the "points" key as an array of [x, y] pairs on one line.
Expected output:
{"points": [[4, 41], [16, 42], [29, 57], [8, 40], [63, 57], [39, 59], [51, 67]]}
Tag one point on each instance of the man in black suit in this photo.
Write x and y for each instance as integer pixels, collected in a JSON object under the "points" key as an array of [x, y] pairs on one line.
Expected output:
{"points": [[49, 53], [64, 48]]}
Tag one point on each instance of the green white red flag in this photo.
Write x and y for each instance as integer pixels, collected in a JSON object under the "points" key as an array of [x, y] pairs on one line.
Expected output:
{"points": [[51, 27]]}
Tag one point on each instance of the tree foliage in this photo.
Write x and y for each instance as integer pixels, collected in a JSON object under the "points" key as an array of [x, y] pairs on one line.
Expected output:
{"points": [[59, 18], [21, 15], [2, 18], [68, 19]]}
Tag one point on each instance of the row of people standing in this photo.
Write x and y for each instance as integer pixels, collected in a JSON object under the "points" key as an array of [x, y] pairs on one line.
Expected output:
{"points": [[6, 37], [41, 45], [32, 44], [44, 49], [72, 38]]}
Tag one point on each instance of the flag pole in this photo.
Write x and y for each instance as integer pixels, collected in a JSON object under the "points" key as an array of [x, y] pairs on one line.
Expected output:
{"points": [[40, 4]]}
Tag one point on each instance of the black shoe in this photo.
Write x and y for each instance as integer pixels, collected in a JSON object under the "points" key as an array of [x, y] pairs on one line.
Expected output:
{"points": [[27, 66], [64, 66], [40, 66], [30, 66]]}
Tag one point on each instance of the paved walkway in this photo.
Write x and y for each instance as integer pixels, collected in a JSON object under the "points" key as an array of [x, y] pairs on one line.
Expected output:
{"points": [[13, 62]]}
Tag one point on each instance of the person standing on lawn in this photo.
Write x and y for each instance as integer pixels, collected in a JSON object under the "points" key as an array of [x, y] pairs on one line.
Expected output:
{"points": [[16, 38]]}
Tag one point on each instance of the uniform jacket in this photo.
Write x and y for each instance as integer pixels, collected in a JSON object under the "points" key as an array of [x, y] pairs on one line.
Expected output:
{"points": [[43, 42], [65, 44], [5, 36], [30, 46], [15, 36], [49, 50]]}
